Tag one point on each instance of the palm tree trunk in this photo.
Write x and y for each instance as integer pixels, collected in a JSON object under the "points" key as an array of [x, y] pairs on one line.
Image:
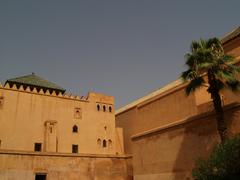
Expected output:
{"points": [[217, 102], [221, 124]]}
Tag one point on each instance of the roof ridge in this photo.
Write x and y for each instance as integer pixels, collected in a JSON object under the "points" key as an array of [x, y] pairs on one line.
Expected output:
{"points": [[150, 95], [230, 35]]}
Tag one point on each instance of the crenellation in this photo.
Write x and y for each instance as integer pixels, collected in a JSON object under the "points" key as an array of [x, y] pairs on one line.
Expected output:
{"points": [[41, 91], [47, 92], [21, 88], [28, 89], [54, 93], [34, 90], [14, 87], [77, 97], [7, 86], [66, 95]]}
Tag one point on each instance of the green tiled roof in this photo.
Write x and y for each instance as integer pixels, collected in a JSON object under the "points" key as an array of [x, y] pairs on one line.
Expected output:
{"points": [[35, 81]]}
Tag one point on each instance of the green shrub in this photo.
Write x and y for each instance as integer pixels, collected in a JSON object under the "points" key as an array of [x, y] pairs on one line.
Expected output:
{"points": [[223, 163]]}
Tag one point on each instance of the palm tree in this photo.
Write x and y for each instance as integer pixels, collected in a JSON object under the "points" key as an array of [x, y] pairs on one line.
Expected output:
{"points": [[209, 66]]}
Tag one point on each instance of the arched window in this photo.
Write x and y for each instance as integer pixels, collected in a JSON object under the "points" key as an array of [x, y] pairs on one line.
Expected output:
{"points": [[98, 107], [75, 129], [77, 113], [99, 142], [104, 108], [104, 143], [110, 143], [110, 109]]}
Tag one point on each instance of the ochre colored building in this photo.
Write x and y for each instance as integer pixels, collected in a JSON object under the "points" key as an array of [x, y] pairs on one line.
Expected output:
{"points": [[46, 133], [166, 131]]}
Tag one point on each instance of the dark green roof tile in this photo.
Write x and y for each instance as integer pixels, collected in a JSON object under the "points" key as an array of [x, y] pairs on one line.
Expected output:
{"points": [[35, 81]]}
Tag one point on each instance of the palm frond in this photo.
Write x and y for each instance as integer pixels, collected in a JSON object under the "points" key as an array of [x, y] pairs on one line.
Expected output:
{"points": [[202, 43], [214, 42], [195, 45], [234, 84], [194, 84], [227, 59], [200, 60], [205, 65], [189, 75], [190, 60], [224, 74], [208, 56], [226, 70], [234, 68], [204, 56]]}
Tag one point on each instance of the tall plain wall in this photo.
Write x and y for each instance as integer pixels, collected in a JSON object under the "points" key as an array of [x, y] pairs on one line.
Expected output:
{"points": [[157, 112], [22, 165], [170, 153], [168, 132]]}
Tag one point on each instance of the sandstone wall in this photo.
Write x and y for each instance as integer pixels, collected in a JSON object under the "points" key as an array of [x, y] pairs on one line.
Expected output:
{"points": [[170, 152], [24, 165], [28, 117], [161, 110], [167, 132]]}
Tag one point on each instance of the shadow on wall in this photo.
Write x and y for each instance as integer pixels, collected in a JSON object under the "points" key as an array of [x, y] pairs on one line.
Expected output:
{"points": [[170, 154], [199, 139]]}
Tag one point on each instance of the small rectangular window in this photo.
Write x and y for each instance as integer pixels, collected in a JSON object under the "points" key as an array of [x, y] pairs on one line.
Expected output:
{"points": [[38, 147], [40, 176], [74, 148]]}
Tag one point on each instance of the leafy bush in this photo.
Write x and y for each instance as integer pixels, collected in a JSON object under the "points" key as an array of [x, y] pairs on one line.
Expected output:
{"points": [[223, 163]]}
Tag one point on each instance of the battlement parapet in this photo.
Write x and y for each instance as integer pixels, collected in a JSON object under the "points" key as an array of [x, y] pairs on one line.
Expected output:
{"points": [[34, 90]]}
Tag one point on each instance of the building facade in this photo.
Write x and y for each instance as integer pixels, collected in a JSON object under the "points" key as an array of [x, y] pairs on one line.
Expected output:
{"points": [[40, 122], [166, 131]]}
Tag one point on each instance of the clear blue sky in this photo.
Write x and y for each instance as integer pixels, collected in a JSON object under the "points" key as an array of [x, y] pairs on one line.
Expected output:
{"points": [[124, 48]]}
